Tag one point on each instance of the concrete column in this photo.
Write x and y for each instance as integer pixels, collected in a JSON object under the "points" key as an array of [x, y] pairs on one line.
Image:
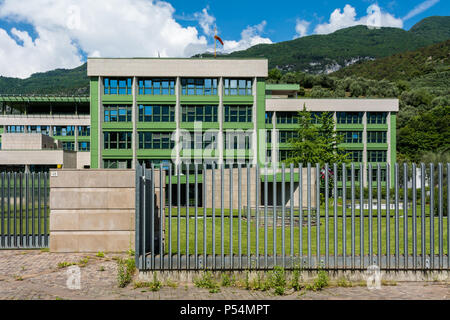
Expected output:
{"points": [[220, 144], [255, 122], [388, 141], [76, 138], [364, 140], [27, 168], [134, 135], [274, 139], [99, 123], [177, 119]]}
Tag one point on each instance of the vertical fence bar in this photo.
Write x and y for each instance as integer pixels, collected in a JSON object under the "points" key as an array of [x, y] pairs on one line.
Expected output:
{"points": [[308, 188], [361, 220], [300, 212], [397, 224], [222, 213], [15, 211], [291, 207], [152, 216], [344, 214], [213, 209], [369, 178], [20, 209], [8, 224], [144, 215], [33, 205], [204, 204], [379, 214], [432, 215], [248, 217], [231, 216], [353, 235], [422, 213], [188, 262], [239, 215], [266, 249], [388, 216], [162, 217], [274, 191], [327, 231], [2, 219], [318, 173], [137, 239], [196, 216], [170, 217], [283, 212], [179, 216], [45, 210], [414, 215], [448, 215], [257, 213], [441, 200], [335, 208], [39, 209], [405, 215]]}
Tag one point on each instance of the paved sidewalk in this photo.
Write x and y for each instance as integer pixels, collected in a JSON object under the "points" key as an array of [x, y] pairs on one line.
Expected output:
{"points": [[33, 274]]}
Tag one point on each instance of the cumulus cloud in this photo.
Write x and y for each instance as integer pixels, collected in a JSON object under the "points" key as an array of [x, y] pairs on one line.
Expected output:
{"points": [[420, 8], [206, 21], [347, 18], [250, 36], [68, 28], [301, 28]]}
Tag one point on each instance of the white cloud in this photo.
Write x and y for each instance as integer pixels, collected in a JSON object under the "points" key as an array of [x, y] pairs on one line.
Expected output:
{"points": [[206, 21], [301, 28], [250, 36], [420, 8], [115, 28], [347, 18]]}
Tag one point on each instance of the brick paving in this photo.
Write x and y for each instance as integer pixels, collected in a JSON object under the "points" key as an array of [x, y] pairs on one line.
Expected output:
{"points": [[34, 274]]}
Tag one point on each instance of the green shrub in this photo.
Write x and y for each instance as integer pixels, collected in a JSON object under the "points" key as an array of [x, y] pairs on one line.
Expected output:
{"points": [[125, 271], [206, 281]]}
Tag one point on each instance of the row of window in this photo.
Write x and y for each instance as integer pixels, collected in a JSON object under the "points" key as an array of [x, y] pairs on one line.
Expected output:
{"points": [[353, 156], [342, 117], [189, 86], [83, 131], [349, 136], [82, 146]]}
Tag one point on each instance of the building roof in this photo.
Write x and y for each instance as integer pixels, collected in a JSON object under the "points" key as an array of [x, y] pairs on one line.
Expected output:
{"points": [[43, 98]]}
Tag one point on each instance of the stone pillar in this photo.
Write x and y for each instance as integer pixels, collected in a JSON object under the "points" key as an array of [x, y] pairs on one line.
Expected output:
{"points": [[134, 135], [364, 140]]}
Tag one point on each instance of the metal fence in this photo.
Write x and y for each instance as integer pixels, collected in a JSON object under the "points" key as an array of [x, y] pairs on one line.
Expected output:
{"points": [[338, 223], [24, 209]]}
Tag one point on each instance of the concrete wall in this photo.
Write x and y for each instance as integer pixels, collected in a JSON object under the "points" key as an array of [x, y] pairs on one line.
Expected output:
{"points": [[93, 210], [332, 105], [38, 157], [83, 159], [27, 141]]}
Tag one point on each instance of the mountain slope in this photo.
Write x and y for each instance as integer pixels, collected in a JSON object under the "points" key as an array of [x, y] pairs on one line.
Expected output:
{"points": [[59, 81], [403, 66], [327, 53]]}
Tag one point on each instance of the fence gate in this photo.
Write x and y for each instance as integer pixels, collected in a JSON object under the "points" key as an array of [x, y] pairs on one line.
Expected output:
{"points": [[338, 216], [24, 214]]}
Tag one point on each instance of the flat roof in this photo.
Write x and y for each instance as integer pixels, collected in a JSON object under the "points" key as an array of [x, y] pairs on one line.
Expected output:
{"points": [[342, 105], [282, 87], [43, 98], [174, 67]]}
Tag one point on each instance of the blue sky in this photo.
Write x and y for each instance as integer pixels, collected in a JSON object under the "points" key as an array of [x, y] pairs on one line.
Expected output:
{"points": [[41, 35]]}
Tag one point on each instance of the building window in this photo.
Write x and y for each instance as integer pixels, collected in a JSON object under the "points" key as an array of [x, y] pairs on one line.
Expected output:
{"points": [[268, 155], [121, 86], [155, 140], [157, 86], [284, 154], [64, 131], [117, 164], [377, 156], [315, 117], [349, 117], [70, 146], [355, 155], [269, 115], [198, 141], [376, 136], [237, 87], [376, 117], [286, 136], [84, 131], [117, 113], [238, 141], [153, 113], [14, 129], [382, 174], [238, 113], [198, 113], [117, 140], [199, 86], [157, 163], [351, 136], [287, 117], [268, 136], [84, 146], [39, 129]]}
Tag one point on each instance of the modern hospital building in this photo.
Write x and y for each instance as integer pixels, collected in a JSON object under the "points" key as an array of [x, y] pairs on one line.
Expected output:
{"points": [[218, 109]]}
